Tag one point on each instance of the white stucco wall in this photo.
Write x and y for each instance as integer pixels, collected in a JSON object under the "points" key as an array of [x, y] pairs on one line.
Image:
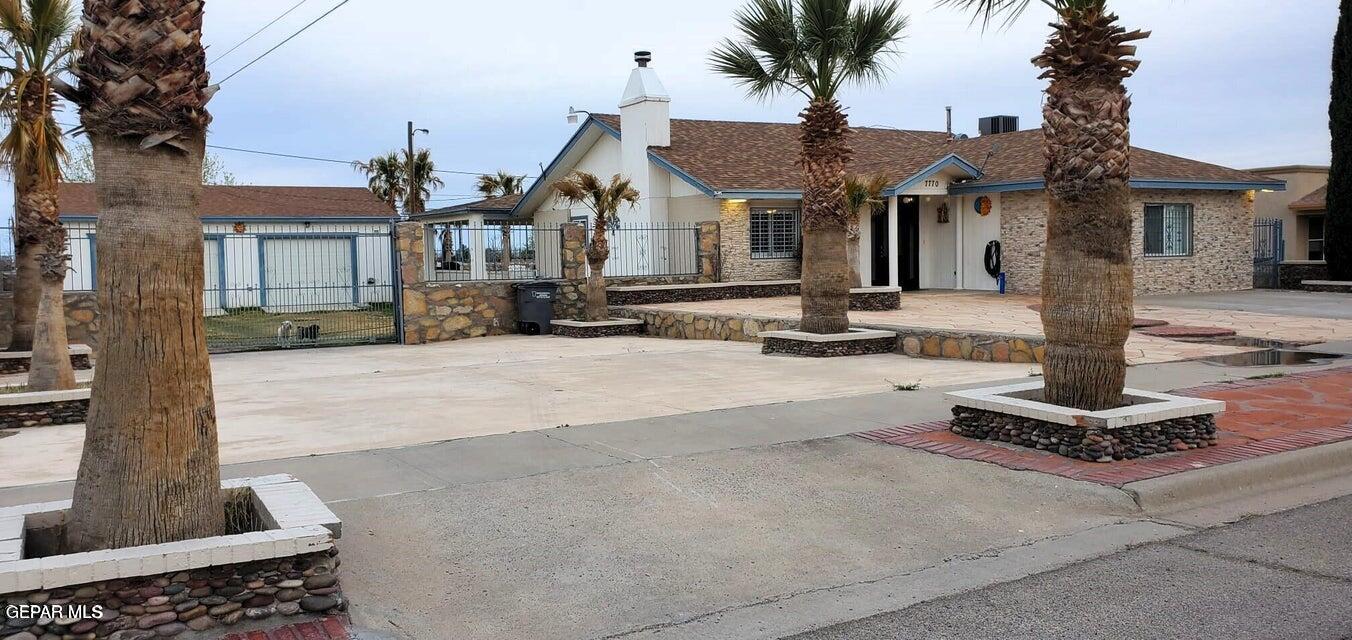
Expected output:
{"points": [[938, 246], [976, 232]]}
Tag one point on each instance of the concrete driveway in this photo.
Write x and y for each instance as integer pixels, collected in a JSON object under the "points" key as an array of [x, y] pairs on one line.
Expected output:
{"points": [[1307, 304], [281, 404]]}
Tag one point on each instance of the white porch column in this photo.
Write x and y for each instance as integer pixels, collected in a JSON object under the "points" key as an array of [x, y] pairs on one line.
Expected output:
{"points": [[959, 213], [893, 248], [478, 265], [866, 248]]}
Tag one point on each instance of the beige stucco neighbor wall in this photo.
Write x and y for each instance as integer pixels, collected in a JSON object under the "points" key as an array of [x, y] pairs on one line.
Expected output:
{"points": [[1222, 257], [735, 240], [1300, 182]]}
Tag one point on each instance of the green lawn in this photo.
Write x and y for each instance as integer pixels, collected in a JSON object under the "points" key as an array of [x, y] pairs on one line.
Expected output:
{"points": [[254, 329]]}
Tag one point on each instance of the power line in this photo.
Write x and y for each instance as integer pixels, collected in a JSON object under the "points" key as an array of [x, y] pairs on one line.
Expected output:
{"points": [[261, 30], [288, 39]]}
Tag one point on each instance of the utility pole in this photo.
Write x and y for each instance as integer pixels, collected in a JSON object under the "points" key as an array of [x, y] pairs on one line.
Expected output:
{"points": [[408, 196]]}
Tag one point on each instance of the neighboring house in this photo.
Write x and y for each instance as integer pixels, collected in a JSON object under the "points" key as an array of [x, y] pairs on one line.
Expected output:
{"points": [[1300, 208], [282, 249], [951, 200]]}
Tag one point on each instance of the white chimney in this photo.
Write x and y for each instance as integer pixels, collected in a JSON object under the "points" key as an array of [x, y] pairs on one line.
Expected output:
{"points": [[645, 107], [645, 121]]}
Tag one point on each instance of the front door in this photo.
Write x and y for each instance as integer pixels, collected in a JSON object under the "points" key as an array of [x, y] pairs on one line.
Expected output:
{"points": [[879, 249], [908, 241]]}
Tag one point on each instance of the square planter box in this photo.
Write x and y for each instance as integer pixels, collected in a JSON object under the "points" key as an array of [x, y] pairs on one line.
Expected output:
{"points": [[1150, 423], [282, 562], [42, 408], [600, 329], [855, 342], [21, 361]]}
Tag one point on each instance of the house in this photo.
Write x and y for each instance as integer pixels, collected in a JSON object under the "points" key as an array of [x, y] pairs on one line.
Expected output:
{"points": [[1300, 208], [956, 204], [479, 228], [281, 249]]}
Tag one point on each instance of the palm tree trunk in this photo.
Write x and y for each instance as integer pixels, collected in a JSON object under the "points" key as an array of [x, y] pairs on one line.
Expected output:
{"points": [[1087, 271], [826, 274], [150, 471], [506, 250], [51, 369], [852, 250], [27, 283], [598, 251]]}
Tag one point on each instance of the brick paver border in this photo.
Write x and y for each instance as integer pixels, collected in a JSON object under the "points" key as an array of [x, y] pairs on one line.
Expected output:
{"points": [[935, 437], [330, 628]]}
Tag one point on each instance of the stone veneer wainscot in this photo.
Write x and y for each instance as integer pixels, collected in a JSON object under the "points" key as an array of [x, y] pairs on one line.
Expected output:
{"points": [[1222, 257]]}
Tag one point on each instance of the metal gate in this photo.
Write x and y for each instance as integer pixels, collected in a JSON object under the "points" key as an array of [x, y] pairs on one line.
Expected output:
{"points": [[299, 289], [1269, 249]]}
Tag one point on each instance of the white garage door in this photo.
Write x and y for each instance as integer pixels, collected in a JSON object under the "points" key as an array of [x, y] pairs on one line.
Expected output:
{"points": [[307, 274], [211, 259]]}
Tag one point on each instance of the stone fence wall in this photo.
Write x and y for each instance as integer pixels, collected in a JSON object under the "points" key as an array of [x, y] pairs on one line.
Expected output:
{"points": [[1292, 272], [82, 318], [437, 311]]}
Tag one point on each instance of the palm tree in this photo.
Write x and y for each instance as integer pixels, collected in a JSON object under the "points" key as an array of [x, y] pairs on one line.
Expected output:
{"points": [[502, 184], [604, 200], [37, 46], [862, 194], [1338, 208], [150, 471], [1086, 267], [419, 187], [814, 48], [384, 177]]}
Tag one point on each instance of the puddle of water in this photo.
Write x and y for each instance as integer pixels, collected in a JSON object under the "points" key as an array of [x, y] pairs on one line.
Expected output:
{"points": [[1270, 357]]}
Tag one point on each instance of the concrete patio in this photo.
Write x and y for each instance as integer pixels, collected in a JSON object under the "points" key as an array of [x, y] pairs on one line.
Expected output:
{"points": [[1011, 314], [280, 404]]}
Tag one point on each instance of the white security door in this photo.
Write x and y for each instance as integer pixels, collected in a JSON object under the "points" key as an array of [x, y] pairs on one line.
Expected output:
{"points": [[307, 274], [212, 295]]}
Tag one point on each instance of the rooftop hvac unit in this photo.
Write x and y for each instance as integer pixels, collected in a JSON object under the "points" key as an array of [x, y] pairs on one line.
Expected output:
{"points": [[999, 124]]}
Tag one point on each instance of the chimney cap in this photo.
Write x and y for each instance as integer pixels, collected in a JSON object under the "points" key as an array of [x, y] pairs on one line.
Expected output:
{"points": [[643, 57]]}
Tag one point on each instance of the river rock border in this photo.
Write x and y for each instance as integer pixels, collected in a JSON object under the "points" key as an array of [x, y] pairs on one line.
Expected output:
{"points": [[42, 408], [21, 361], [289, 567], [981, 347], [856, 342], [1091, 444], [601, 329]]}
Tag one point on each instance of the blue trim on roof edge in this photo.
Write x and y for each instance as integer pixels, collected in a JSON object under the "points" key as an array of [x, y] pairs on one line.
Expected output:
{"points": [[949, 160], [752, 194], [676, 171], [1035, 185]]}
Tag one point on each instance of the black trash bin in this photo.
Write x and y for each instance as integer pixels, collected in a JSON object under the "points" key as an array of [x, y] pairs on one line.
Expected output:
{"points": [[535, 306]]}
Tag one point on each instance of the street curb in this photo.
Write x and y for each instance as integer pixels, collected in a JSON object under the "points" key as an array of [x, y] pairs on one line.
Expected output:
{"points": [[1247, 478]]}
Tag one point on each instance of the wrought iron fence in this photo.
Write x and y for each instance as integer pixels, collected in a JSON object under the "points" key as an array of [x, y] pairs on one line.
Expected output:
{"points": [[286, 286], [459, 252], [1269, 249], [652, 250]]}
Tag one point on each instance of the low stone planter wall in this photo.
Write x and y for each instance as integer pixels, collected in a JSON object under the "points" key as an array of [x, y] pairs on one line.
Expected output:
{"points": [[1292, 272], [601, 329], [82, 321], [856, 342], [289, 567], [21, 361], [863, 299], [1327, 286], [981, 347], [1147, 424], [42, 408], [663, 323], [1089, 444]]}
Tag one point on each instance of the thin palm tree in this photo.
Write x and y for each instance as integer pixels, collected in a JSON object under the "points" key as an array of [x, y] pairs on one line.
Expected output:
{"points": [[862, 195], [384, 177], [604, 200], [502, 184], [150, 471], [37, 46], [419, 186], [815, 48], [1086, 267]]}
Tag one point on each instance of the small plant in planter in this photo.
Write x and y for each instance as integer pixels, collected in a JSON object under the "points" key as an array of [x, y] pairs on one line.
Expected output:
{"points": [[604, 200]]}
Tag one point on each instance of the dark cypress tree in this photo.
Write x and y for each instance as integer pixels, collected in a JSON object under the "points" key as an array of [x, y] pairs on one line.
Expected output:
{"points": [[1338, 221]]}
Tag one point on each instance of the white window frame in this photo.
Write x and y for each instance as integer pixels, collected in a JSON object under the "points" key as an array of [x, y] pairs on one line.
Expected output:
{"points": [[1176, 241], [782, 228]]}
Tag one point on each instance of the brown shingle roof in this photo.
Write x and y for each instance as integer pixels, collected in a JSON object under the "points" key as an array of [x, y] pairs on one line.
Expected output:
{"points": [[731, 156], [78, 199], [497, 203], [1316, 200]]}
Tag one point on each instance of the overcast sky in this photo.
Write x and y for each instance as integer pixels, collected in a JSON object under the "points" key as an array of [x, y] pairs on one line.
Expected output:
{"points": [[1235, 82]]}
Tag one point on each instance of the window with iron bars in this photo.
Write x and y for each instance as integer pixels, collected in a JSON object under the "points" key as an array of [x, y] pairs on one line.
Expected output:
{"points": [[774, 233], [1168, 230]]}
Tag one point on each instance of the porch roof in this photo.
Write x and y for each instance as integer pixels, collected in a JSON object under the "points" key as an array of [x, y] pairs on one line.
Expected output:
{"points": [[1316, 200]]}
